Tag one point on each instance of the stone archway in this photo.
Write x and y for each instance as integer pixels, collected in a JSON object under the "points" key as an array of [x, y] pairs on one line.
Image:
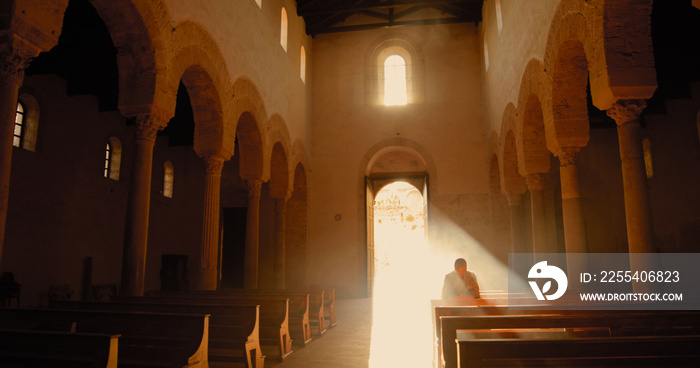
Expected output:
{"points": [[389, 165]]}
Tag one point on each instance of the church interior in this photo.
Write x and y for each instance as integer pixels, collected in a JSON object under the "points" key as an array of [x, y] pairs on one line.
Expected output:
{"points": [[355, 146]]}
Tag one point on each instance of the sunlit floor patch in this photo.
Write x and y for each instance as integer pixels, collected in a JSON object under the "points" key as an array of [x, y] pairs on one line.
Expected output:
{"points": [[404, 284]]}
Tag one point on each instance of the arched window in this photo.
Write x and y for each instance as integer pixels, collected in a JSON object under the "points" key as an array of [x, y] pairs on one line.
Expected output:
{"points": [[168, 179], [19, 126], [394, 71], [648, 165], [302, 64], [26, 122], [113, 158], [486, 53], [499, 16], [395, 92], [283, 30]]}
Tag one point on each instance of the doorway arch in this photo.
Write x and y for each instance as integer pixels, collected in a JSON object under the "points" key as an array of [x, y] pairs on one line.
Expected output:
{"points": [[388, 164]]}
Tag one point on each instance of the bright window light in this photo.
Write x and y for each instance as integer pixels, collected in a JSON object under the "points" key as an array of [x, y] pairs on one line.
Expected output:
{"points": [[395, 91], [19, 126], [283, 29], [302, 64]]}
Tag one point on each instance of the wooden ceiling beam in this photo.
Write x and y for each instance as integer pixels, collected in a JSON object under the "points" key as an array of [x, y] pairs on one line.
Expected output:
{"points": [[308, 10], [361, 27]]}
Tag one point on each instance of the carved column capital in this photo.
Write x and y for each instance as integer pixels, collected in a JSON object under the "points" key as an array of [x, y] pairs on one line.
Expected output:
{"points": [[214, 164], [625, 111], [254, 188], [15, 55], [281, 205], [534, 182], [567, 155], [513, 199], [148, 125]]}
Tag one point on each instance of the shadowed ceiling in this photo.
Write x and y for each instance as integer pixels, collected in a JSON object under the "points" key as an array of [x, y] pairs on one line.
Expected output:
{"points": [[329, 16]]}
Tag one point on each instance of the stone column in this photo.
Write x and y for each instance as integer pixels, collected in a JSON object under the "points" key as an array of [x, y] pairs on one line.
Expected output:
{"points": [[13, 60], [138, 205], [535, 184], [516, 222], [210, 227], [640, 227], [252, 237], [280, 247], [574, 225]]}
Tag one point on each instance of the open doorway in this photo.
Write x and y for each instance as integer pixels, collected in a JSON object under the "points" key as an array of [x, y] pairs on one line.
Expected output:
{"points": [[399, 229], [404, 277], [396, 220]]}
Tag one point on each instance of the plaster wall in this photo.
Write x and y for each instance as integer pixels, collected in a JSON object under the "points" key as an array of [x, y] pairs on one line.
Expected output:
{"points": [[175, 224], [526, 25], [447, 129], [249, 40], [675, 151], [61, 207]]}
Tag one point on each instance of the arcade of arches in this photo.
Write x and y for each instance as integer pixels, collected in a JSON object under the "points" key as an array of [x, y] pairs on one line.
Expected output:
{"points": [[158, 131]]}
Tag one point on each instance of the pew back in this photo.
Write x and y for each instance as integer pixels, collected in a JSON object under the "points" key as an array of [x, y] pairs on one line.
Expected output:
{"points": [[57, 349], [647, 351], [231, 328], [618, 323], [158, 339]]}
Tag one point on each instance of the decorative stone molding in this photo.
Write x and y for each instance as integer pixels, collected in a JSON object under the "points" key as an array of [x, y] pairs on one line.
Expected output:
{"points": [[625, 111], [148, 125], [254, 188], [280, 205], [14, 58], [534, 182], [214, 164], [567, 156], [513, 199]]}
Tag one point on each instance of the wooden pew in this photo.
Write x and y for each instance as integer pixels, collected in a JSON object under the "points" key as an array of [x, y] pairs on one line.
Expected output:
{"points": [[329, 307], [273, 321], [618, 322], [316, 308], [644, 351], [147, 339], [299, 321], [440, 310], [57, 349], [233, 330]]}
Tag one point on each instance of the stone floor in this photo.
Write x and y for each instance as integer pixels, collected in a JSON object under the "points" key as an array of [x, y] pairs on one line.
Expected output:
{"points": [[359, 341]]}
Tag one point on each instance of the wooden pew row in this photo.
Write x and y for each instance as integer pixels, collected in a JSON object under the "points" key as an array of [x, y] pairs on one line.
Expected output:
{"points": [[501, 309], [618, 322], [147, 339], [274, 314], [233, 330], [19, 348], [639, 351], [329, 307], [299, 307], [316, 308]]}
